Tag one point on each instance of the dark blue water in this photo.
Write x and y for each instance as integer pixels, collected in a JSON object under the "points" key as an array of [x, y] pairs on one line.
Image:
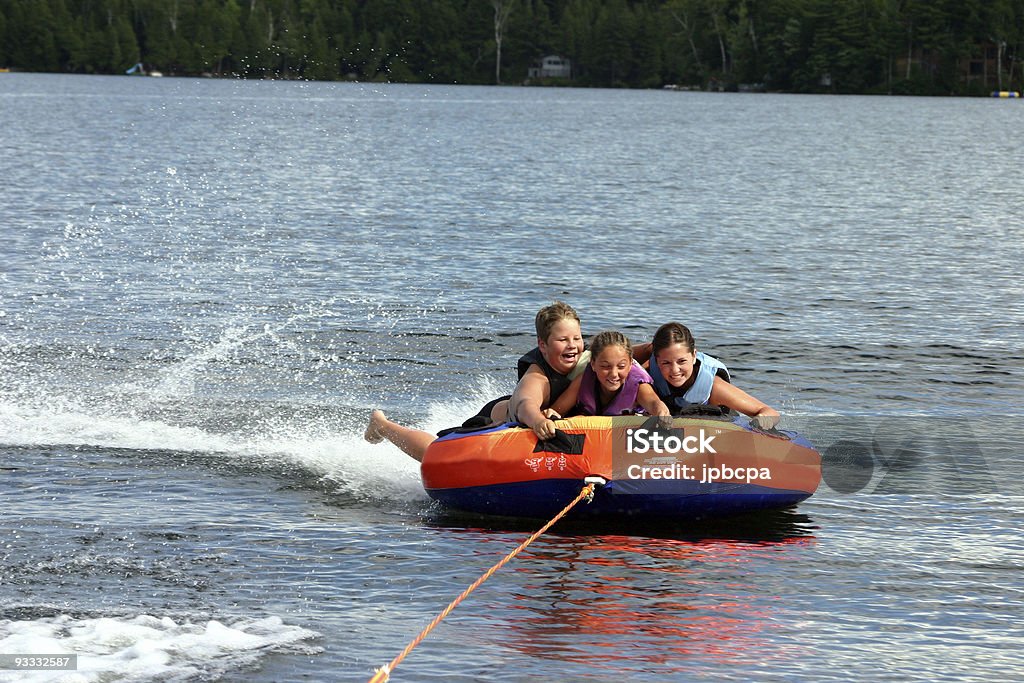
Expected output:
{"points": [[206, 285]]}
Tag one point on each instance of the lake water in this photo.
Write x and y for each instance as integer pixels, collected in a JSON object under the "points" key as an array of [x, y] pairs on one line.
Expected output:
{"points": [[205, 285]]}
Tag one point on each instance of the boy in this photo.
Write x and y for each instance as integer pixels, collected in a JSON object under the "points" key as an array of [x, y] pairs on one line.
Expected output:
{"points": [[544, 373]]}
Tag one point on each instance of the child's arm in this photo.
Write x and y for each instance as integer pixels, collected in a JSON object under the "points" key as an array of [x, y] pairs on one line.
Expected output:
{"points": [[567, 401], [642, 352], [648, 398], [731, 396], [525, 405]]}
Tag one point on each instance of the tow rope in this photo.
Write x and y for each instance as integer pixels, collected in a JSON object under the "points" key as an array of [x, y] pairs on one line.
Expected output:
{"points": [[383, 673]]}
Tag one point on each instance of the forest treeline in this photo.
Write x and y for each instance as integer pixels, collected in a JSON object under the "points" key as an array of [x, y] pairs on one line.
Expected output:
{"points": [[846, 46]]}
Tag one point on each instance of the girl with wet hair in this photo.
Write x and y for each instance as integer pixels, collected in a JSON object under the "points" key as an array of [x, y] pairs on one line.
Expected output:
{"points": [[612, 383], [684, 376]]}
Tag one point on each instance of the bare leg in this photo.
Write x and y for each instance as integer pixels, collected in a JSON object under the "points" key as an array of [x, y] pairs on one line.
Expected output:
{"points": [[413, 442], [499, 413]]}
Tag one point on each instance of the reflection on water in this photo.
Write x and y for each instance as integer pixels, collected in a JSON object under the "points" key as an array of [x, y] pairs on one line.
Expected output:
{"points": [[644, 599], [645, 603]]}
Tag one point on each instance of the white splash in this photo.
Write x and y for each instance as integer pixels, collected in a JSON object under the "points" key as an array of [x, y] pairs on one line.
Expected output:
{"points": [[146, 647], [342, 458], [338, 455]]}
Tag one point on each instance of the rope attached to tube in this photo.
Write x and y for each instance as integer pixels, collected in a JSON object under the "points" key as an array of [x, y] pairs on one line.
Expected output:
{"points": [[383, 673]]}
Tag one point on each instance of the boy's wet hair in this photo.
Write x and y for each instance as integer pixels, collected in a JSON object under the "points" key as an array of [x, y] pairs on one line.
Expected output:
{"points": [[548, 316], [603, 340], [672, 333]]}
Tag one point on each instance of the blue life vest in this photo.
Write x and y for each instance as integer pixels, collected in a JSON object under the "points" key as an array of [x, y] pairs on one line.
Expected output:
{"points": [[707, 368]]}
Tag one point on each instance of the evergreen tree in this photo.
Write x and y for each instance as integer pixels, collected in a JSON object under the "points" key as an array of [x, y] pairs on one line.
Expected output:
{"points": [[880, 46]]}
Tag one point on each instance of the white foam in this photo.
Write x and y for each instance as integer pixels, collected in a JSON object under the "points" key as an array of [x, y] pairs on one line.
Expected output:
{"points": [[64, 422], [343, 458], [149, 648], [339, 456]]}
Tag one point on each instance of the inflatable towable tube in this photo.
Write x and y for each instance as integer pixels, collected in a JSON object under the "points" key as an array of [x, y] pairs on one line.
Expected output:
{"points": [[695, 468]]}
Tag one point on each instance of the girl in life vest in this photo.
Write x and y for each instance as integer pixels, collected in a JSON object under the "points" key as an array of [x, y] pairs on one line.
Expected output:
{"points": [[612, 384], [683, 376]]}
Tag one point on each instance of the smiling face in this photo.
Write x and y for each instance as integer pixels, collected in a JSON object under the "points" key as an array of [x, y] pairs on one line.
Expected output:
{"points": [[563, 346], [611, 366], [676, 364]]}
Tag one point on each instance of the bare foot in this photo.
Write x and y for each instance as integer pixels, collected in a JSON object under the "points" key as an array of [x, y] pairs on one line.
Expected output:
{"points": [[374, 430]]}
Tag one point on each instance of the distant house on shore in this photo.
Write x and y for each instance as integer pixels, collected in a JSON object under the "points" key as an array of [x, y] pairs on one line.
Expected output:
{"points": [[988, 65], [551, 66]]}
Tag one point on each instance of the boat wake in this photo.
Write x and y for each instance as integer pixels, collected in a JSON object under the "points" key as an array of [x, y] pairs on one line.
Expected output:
{"points": [[146, 647], [326, 446]]}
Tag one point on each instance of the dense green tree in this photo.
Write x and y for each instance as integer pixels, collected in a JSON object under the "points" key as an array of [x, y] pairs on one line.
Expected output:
{"points": [[579, 29], [874, 46], [3, 38], [1001, 18], [213, 25], [31, 35], [685, 55], [647, 68], [254, 56], [442, 55]]}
